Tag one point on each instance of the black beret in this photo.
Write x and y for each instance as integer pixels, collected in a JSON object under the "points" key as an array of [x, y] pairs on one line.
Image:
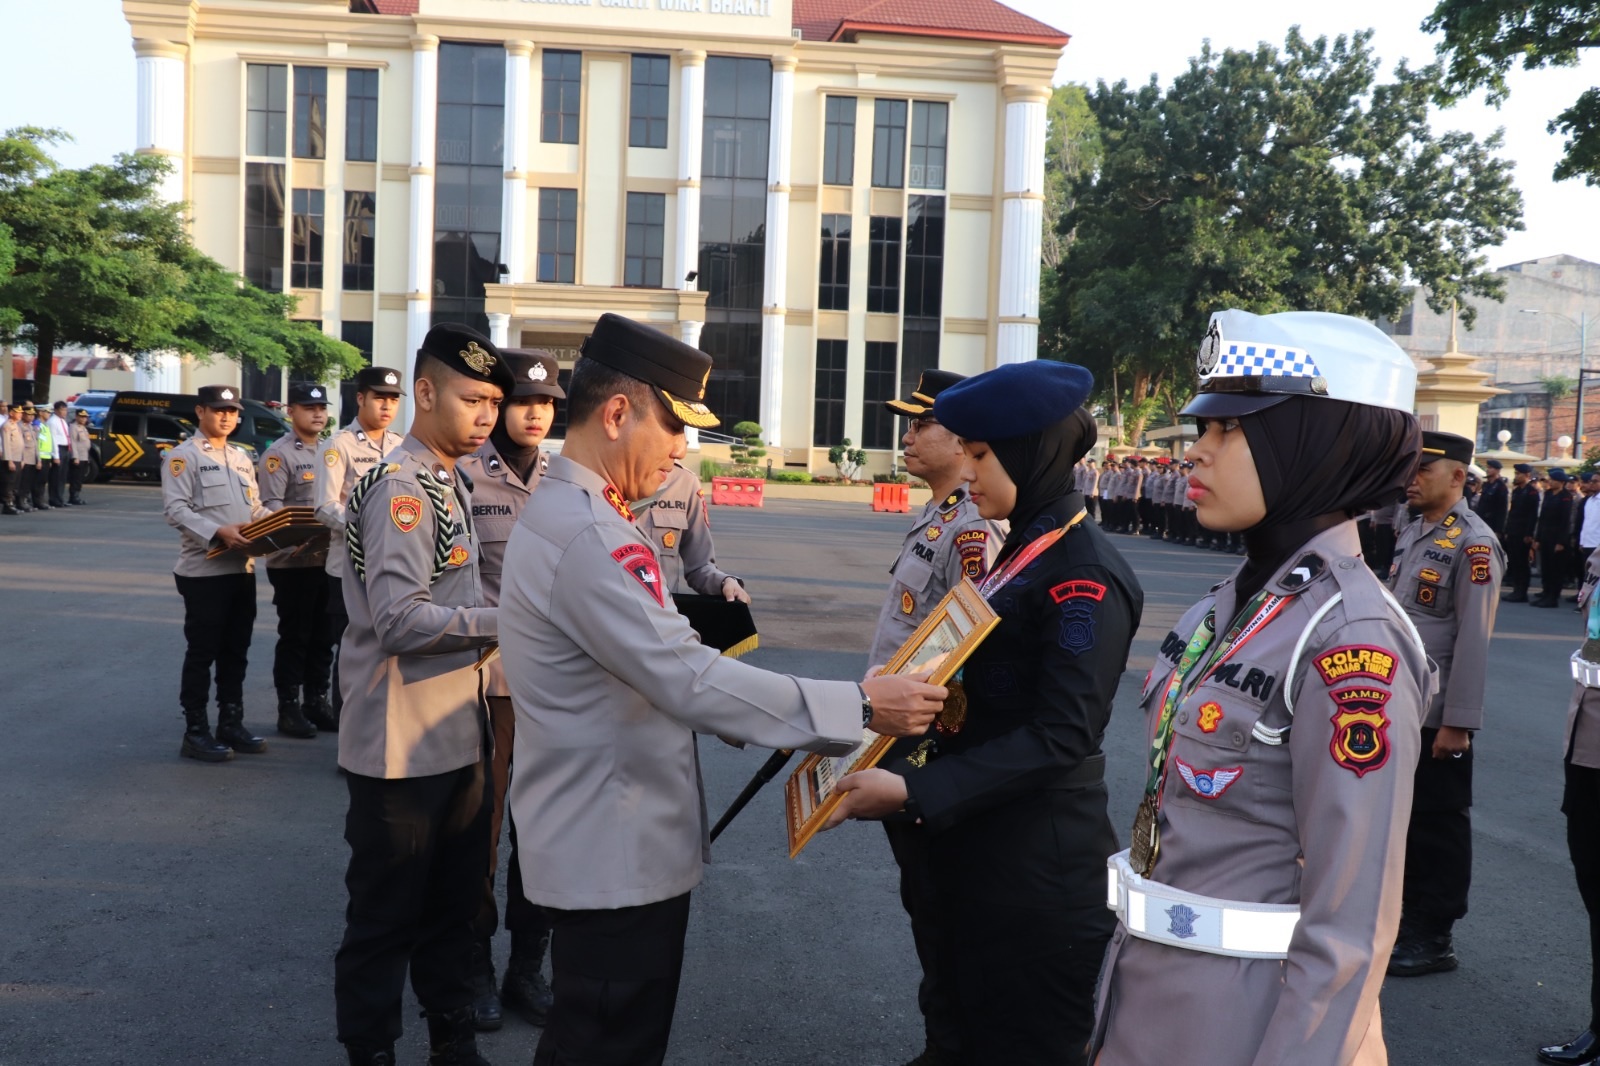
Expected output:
{"points": [[1493, 464], [219, 396], [1438, 445], [678, 372], [383, 380], [1013, 400], [929, 386], [1558, 474], [469, 353], [1522, 468], [308, 394], [535, 373]]}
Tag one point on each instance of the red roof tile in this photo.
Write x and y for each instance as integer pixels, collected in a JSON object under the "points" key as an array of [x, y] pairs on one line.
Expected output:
{"points": [[986, 20]]}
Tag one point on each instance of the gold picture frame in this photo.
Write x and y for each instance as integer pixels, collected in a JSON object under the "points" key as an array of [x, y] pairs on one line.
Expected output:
{"points": [[941, 644]]}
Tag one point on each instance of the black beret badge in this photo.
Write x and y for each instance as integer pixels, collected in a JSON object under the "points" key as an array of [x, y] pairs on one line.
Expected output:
{"points": [[477, 358]]}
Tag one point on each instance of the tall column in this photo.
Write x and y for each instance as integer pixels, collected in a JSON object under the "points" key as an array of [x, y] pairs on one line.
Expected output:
{"points": [[691, 129], [500, 329], [689, 333], [424, 130], [775, 290], [1022, 224], [514, 205], [160, 125]]}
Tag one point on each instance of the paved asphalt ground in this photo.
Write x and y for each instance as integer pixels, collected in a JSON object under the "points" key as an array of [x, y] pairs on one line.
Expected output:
{"points": [[159, 911]]}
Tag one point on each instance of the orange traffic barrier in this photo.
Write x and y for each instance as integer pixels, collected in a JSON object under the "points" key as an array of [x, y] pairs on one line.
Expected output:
{"points": [[738, 491], [887, 496]]}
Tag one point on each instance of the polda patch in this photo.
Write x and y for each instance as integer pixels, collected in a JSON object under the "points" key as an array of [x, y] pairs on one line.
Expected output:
{"points": [[458, 556], [176, 466], [1357, 660], [1360, 741], [274, 464], [405, 512], [640, 562], [331, 459]]}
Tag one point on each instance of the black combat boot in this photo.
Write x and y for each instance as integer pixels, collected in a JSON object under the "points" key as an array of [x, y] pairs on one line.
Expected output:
{"points": [[1421, 952], [486, 1013], [292, 723], [452, 1040], [319, 712], [524, 989], [370, 1054], [231, 730], [198, 743]]}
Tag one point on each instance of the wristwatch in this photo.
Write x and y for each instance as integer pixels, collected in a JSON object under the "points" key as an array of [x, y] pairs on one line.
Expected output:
{"points": [[866, 708]]}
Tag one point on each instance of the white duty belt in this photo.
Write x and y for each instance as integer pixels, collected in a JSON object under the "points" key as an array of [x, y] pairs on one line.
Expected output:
{"points": [[1166, 915], [1584, 672]]}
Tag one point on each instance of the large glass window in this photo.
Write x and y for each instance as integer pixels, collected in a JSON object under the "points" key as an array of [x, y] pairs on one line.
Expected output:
{"points": [[310, 112], [468, 180], [924, 256], [833, 277], [266, 109], [883, 264], [360, 243], [563, 81], [877, 421], [930, 129], [361, 116], [647, 104], [305, 240], [839, 141], [263, 225], [889, 144], [733, 212], [358, 335], [558, 235], [647, 228], [827, 419]]}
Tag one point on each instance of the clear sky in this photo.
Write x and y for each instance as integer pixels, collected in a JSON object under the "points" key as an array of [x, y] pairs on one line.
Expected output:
{"points": [[70, 64]]}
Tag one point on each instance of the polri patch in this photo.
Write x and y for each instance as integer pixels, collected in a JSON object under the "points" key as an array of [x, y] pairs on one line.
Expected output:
{"points": [[669, 540], [640, 561], [176, 466], [309, 474], [1074, 590], [1077, 626], [405, 512], [972, 561], [907, 603], [1479, 555], [1427, 594], [458, 556], [1210, 717], [1360, 741], [1207, 784], [934, 532], [331, 458], [1356, 660]]}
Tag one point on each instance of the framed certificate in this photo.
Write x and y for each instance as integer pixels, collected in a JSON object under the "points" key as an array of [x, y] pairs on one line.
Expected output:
{"points": [[944, 640]]}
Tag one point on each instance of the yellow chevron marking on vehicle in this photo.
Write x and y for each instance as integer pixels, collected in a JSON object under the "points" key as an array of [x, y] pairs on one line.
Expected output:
{"points": [[128, 450]]}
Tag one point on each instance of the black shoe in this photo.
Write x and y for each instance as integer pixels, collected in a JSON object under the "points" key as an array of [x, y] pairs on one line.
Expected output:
{"points": [[8, 509], [200, 744], [453, 1039], [1545, 601], [370, 1054], [291, 723], [1416, 955], [1581, 1049], [524, 990], [1520, 596], [319, 712], [932, 1056], [231, 730], [486, 1013], [76, 501]]}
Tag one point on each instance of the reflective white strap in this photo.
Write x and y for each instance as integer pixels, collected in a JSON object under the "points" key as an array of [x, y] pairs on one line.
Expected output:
{"points": [[1153, 911], [1584, 672]]}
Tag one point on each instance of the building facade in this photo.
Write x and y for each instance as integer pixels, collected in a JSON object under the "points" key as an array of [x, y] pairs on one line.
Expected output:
{"points": [[828, 196]]}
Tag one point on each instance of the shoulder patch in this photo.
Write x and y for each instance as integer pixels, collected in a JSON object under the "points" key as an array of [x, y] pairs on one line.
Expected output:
{"points": [[973, 536], [405, 512], [1077, 626], [1207, 784], [934, 532], [273, 464], [1071, 590], [614, 497], [331, 457], [1356, 660], [640, 562], [175, 465], [1360, 741]]}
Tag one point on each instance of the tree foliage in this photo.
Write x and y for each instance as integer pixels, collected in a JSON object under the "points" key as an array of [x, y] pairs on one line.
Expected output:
{"points": [[99, 259], [1267, 181], [1483, 39]]}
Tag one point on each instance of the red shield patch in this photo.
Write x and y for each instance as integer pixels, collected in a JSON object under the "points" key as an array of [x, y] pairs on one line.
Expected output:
{"points": [[405, 511], [640, 561], [1360, 741], [458, 556], [1210, 717]]}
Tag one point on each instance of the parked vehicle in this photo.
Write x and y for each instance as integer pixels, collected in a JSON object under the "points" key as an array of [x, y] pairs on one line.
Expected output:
{"points": [[137, 428]]}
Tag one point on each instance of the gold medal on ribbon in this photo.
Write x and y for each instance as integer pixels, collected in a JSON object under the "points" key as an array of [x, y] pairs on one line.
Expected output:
{"points": [[1146, 842], [954, 713]]}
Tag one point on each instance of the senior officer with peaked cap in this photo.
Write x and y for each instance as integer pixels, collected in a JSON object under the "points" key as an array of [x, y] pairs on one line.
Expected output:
{"points": [[1448, 580], [1260, 901], [610, 685]]}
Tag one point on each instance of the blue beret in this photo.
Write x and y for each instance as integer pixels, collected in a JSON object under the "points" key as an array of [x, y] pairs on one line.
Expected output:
{"points": [[1523, 468], [1013, 400]]}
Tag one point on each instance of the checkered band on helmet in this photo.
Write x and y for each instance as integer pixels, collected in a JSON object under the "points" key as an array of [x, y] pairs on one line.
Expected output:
{"points": [[1243, 358]]}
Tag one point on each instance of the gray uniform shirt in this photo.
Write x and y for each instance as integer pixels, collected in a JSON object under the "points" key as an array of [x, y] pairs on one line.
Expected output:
{"points": [[203, 489], [287, 474], [498, 496], [411, 705], [12, 444], [610, 685], [345, 457], [948, 541], [30, 443], [1318, 820], [80, 442], [676, 523], [1447, 578]]}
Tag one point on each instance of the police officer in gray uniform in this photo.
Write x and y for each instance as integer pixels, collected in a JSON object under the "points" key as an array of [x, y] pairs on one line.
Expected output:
{"points": [[28, 472], [678, 526], [208, 490], [81, 444], [288, 476], [413, 736], [11, 446], [346, 457], [1259, 903], [949, 541], [1447, 578], [610, 685], [504, 473]]}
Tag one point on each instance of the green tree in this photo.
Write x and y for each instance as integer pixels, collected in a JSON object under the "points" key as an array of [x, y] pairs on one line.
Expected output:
{"points": [[1484, 38], [1072, 149], [1268, 181], [99, 259]]}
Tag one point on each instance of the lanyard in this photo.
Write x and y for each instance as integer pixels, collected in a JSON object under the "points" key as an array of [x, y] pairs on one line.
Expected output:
{"points": [[1000, 578]]}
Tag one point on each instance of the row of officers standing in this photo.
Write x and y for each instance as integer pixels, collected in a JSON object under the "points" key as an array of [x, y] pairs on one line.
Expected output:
{"points": [[1293, 715], [43, 457]]}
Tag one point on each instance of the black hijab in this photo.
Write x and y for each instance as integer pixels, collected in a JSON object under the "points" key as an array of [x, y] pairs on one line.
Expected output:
{"points": [[1320, 462], [1041, 464], [514, 455]]}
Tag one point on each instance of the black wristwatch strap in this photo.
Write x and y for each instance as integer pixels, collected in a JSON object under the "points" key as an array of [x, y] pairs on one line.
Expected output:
{"points": [[866, 708]]}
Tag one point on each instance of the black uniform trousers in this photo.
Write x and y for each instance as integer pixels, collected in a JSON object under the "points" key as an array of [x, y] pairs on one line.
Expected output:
{"points": [[615, 976], [1519, 571], [338, 622], [1438, 843], [8, 484], [522, 917], [305, 651], [58, 481], [1552, 572], [39, 483], [79, 469], [1580, 802], [935, 993], [219, 613], [416, 865]]}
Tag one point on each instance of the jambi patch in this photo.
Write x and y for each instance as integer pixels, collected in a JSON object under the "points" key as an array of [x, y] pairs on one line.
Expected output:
{"points": [[1360, 741], [640, 561]]}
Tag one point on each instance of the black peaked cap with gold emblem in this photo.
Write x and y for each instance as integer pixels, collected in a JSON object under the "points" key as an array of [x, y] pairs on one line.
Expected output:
{"points": [[929, 386], [535, 371], [1437, 445], [469, 353], [678, 372]]}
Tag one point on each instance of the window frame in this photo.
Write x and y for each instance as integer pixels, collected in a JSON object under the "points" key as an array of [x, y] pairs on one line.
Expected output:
{"points": [[307, 245], [553, 240], [266, 231], [833, 271], [254, 105], [649, 203], [655, 127], [567, 123], [828, 410], [839, 141], [361, 122], [878, 384], [883, 263], [360, 244], [306, 95], [891, 153], [920, 143]]}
